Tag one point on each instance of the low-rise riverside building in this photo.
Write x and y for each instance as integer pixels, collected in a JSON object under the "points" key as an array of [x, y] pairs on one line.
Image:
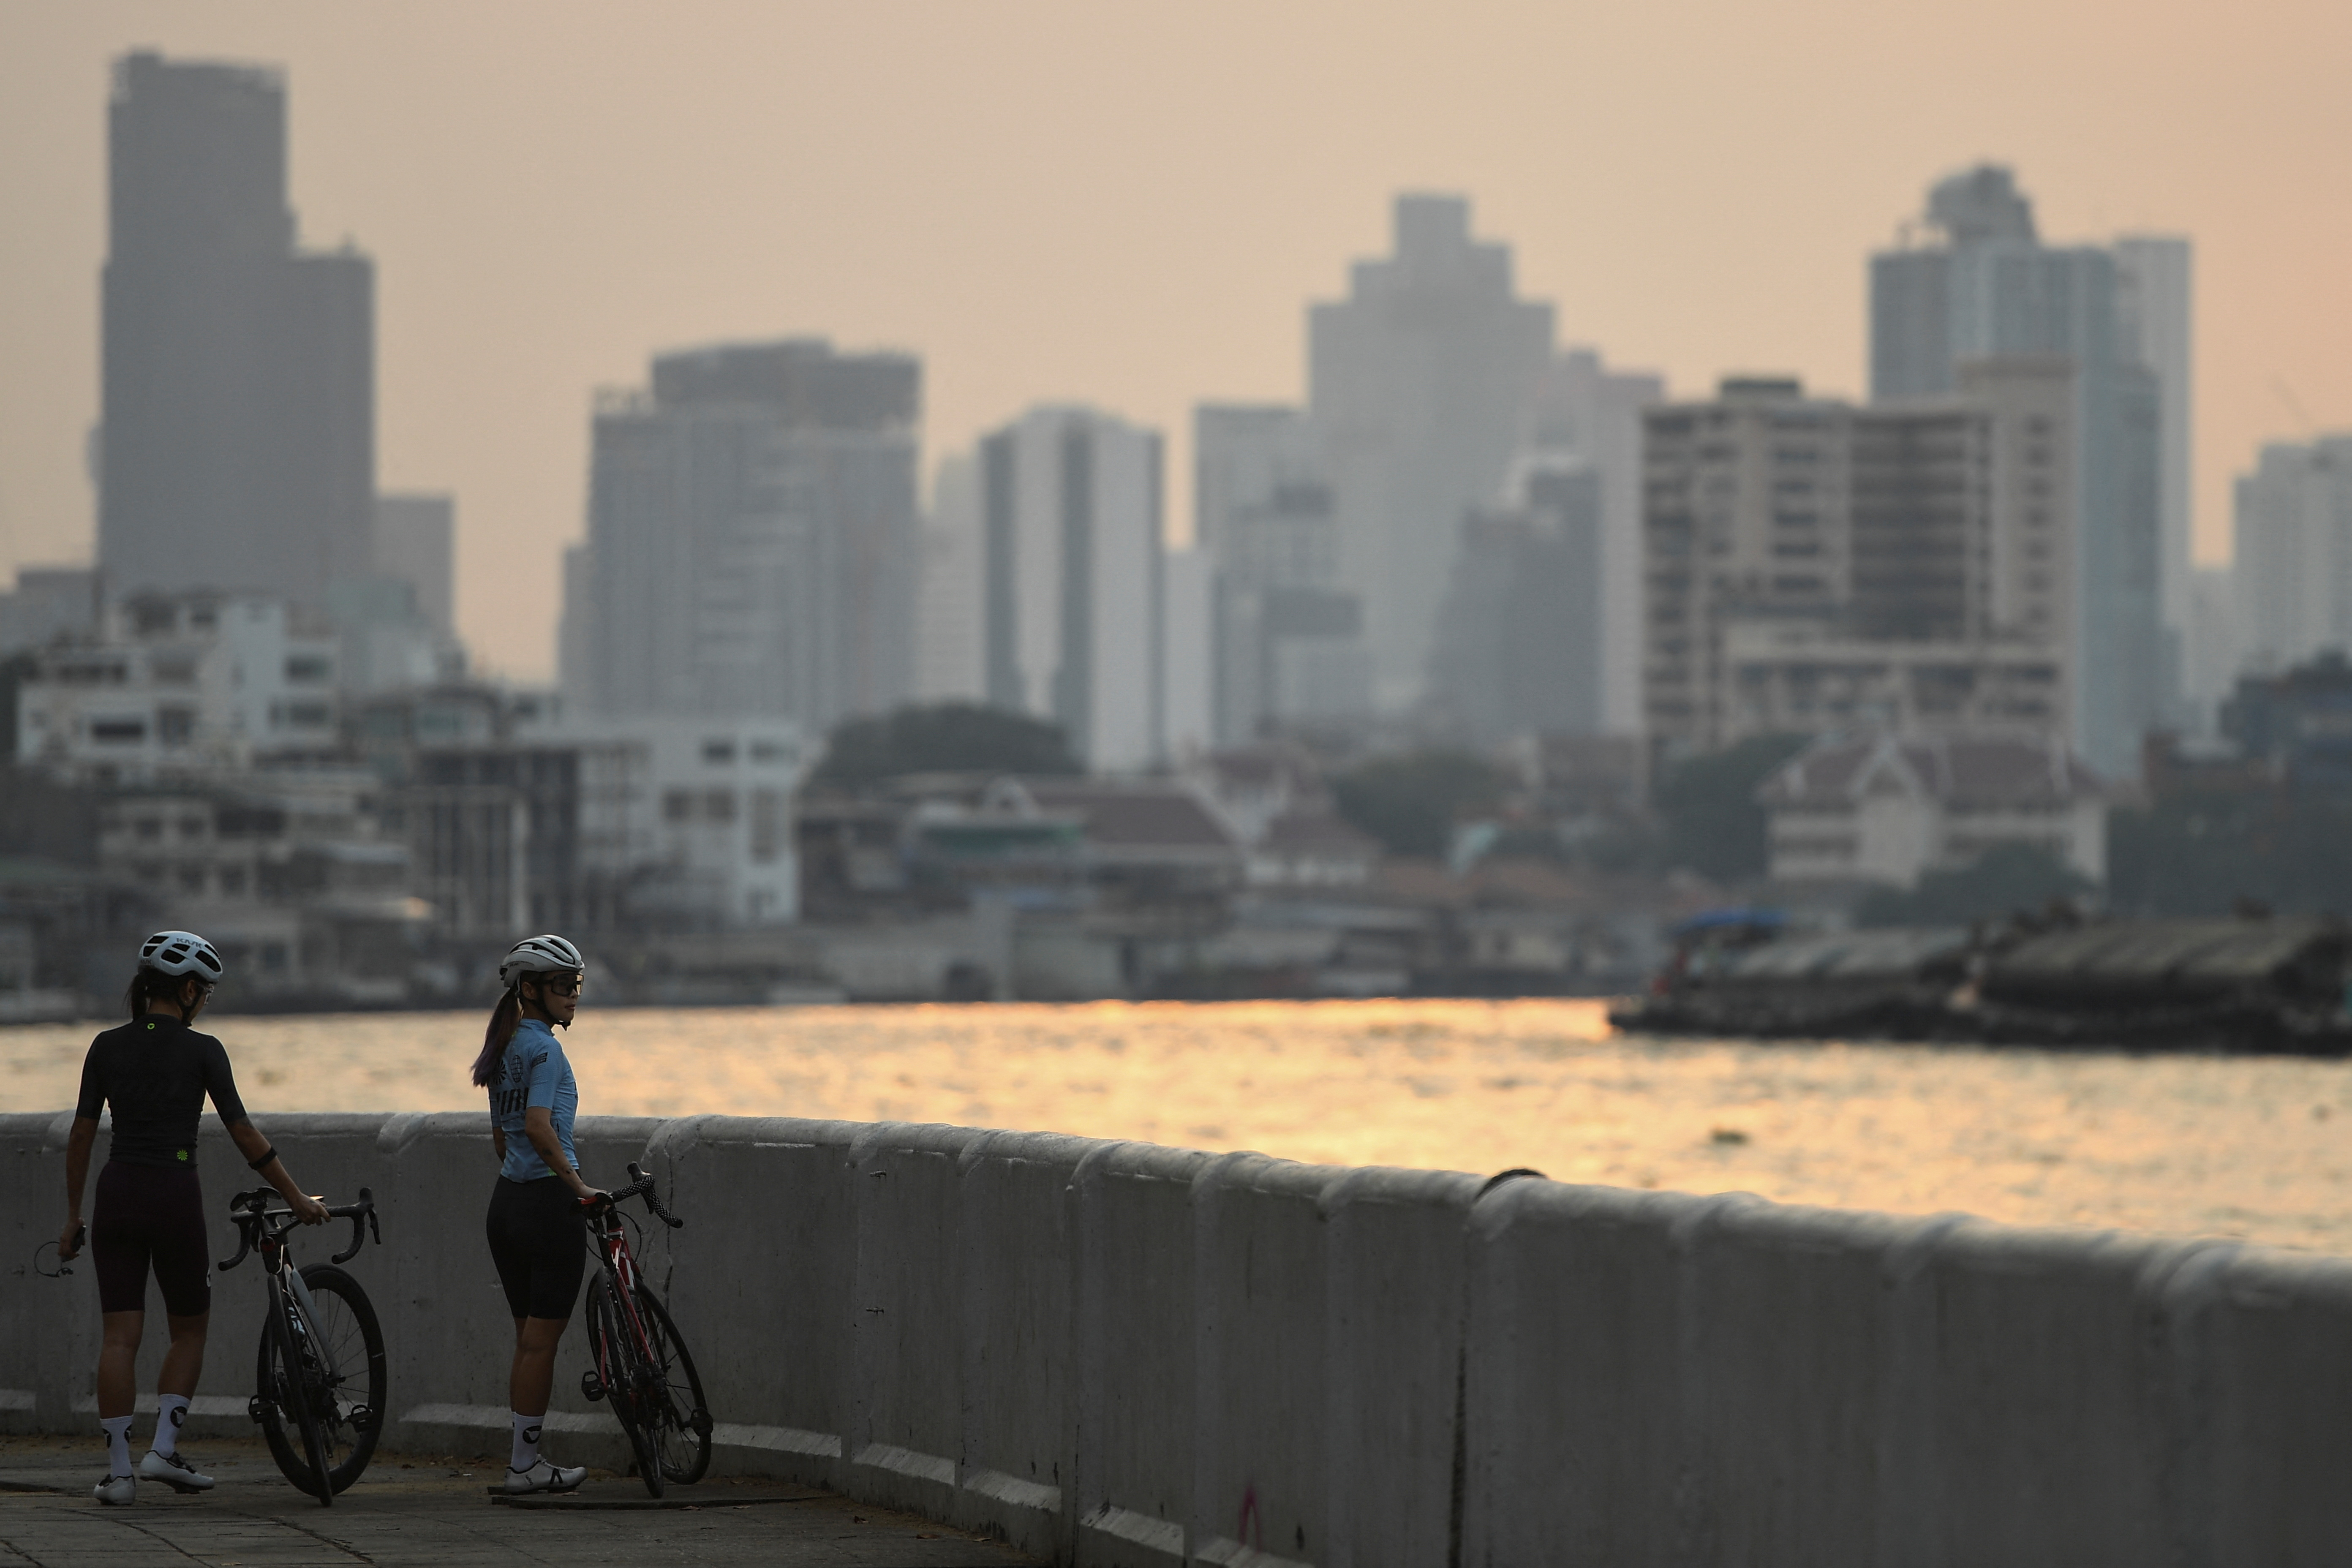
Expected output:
{"points": [[1874, 806], [172, 686]]}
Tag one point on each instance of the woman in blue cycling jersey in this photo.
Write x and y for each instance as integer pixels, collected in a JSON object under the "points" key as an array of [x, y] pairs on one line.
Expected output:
{"points": [[534, 1220], [155, 1073]]}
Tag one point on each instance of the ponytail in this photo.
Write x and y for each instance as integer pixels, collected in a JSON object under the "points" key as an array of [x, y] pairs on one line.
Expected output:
{"points": [[503, 1019]]}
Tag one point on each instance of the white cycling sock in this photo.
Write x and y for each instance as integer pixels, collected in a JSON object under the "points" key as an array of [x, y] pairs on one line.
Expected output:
{"points": [[167, 1422], [118, 1445], [526, 1440]]}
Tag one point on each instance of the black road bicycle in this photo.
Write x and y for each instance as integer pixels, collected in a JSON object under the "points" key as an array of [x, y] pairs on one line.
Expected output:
{"points": [[641, 1367], [319, 1380]]}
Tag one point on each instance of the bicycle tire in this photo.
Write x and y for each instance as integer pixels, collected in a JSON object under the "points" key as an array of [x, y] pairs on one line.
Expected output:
{"points": [[287, 1387], [349, 1412], [618, 1364], [688, 1429]]}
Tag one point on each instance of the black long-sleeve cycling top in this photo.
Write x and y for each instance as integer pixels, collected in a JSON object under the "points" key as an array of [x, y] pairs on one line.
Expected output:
{"points": [[156, 1071]]}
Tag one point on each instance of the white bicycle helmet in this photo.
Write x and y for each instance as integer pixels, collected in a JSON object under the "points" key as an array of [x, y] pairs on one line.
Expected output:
{"points": [[541, 955], [182, 952]]}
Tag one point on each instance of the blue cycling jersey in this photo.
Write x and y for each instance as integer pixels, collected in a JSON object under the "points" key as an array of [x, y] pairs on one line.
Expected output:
{"points": [[533, 1071]]}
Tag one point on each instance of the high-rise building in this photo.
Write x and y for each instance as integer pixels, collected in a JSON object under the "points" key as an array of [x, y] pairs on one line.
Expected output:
{"points": [[415, 541], [1287, 640], [238, 443], [1585, 413], [1519, 639], [2155, 279], [1814, 566], [2294, 553], [1974, 281], [1073, 590], [753, 544], [950, 657], [2211, 656], [1419, 383]]}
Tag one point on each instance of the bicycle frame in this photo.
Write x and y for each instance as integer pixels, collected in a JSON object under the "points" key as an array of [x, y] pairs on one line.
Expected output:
{"points": [[301, 1310], [620, 1270]]}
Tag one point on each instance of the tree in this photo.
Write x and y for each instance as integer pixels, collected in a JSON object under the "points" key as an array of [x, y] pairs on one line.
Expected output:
{"points": [[1714, 826], [941, 738], [1410, 802], [2005, 878]]}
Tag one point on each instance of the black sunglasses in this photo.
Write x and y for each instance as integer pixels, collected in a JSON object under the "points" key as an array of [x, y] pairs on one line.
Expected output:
{"points": [[560, 984]]}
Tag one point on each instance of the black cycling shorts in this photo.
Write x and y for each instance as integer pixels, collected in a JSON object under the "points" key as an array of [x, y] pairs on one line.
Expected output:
{"points": [[147, 1216], [538, 1242]]}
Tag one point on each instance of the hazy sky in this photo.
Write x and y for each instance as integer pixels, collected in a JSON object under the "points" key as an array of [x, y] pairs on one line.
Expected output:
{"points": [[1131, 202]]}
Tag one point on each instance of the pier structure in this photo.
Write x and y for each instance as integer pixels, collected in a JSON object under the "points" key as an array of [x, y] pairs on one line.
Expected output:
{"points": [[1116, 1353]]}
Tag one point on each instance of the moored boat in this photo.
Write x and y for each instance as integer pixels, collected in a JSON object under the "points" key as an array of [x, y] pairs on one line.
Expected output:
{"points": [[2274, 983]]}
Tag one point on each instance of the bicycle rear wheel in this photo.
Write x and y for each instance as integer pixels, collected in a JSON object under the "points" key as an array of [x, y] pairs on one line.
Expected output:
{"points": [[622, 1371], [678, 1419], [287, 1388]]}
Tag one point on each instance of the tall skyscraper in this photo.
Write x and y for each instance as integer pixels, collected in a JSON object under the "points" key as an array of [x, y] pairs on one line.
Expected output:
{"points": [[238, 443], [950, 661], [1584, 413], [1974, 281], [2155, 279], [752, 537], [2294, 555], [415, 542], [1419, 383], [1073, 590], [1287, 642], [1518, 643]]}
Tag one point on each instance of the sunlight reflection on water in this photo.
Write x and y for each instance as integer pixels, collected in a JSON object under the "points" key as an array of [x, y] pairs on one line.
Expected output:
{"points": [[2247, 1147]]}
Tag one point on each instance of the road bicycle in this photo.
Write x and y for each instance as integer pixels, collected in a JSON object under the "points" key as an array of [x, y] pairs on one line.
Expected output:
{"points": [[641, 1366], [320, 1378]]}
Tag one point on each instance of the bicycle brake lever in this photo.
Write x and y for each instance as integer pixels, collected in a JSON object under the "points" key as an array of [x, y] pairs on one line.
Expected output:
{"points": [[375, 1227]]}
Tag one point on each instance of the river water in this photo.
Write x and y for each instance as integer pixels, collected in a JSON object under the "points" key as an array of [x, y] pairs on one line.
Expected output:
{"points": [[2259, 1147]]}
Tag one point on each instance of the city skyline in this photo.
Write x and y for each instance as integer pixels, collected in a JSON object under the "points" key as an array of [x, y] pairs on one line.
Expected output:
{"points": [[506, 299]]}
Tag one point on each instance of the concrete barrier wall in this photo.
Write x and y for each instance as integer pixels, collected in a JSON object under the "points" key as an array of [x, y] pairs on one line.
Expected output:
{"points": [[1114, 1353]]}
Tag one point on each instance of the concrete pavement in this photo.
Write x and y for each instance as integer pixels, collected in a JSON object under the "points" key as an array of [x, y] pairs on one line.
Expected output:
{"points": [[432, 1511]]}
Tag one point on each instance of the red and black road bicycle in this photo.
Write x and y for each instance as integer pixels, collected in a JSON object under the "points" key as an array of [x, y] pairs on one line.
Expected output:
{"points": [[641, 1368]]}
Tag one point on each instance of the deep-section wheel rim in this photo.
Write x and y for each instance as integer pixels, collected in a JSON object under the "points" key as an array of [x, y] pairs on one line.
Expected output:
{"points": [[678, 1419]]}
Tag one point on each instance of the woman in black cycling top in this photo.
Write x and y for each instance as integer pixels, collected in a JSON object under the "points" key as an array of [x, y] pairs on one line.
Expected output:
{"points": [[156, 1072]]}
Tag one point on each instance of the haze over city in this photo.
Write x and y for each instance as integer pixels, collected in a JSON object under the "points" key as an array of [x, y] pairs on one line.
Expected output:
{"points": [[1133, 207]]}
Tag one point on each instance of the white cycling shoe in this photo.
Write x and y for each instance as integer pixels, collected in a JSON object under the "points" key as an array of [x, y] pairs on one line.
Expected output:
{"points": [[174, 1472], [116, 1491], [545, 1476]]}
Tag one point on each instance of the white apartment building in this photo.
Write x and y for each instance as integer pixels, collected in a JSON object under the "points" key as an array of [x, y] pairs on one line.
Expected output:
{"points": [[1073, 583], [1870, 806], [1815, 565], [715, 814], [181, 684]]}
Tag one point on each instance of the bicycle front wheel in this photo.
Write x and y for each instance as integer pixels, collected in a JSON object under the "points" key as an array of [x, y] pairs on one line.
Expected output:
{"points": [[678, 1419], [337, 1374], [612, 1341], [289, 1395]]}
